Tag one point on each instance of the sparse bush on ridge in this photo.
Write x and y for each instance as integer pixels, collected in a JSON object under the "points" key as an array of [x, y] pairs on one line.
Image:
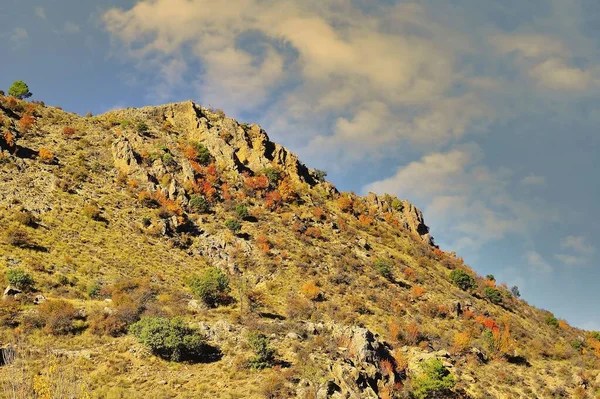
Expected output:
{"points": [[463, 280]]}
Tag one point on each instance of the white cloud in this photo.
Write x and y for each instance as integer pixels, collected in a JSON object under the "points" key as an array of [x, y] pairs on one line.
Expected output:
{"points": [[578, 244], [537, 262], [40, 12], [71, 27], [533, 180], [461, 198], [378, 84], [19, 36], [554, 73], [569, 260]]}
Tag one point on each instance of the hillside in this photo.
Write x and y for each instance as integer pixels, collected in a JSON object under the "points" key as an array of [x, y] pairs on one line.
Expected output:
{"points": [[177, 212]]}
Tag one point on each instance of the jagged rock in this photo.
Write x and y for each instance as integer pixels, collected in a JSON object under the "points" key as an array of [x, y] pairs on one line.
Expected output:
{"points": [[294, 336], [11, 291], [196, 305], [39, 299]]}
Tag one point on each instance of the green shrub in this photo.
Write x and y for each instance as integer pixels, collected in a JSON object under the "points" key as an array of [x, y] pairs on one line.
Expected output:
{"points": [[204, 156], [397, 205], [273, 175], [20, 90], [199, 204], [234, 225], [493, 295], [383, 268], [319, 174], [490, 277], [241, 210], [552, 321], [434, 379], [170, 339], [264, 355], [19, 279], [94, 289], [142, 128], [462, 280], [212, 287]]}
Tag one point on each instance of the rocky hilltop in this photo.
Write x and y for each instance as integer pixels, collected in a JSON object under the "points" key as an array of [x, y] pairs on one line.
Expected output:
{"points": [[171, 251]]}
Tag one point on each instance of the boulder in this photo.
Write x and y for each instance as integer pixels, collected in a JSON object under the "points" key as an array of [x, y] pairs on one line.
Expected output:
{"points": [[11, 291]]}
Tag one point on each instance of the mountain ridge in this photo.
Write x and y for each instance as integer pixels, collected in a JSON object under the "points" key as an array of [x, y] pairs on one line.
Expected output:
{"points": [[113, 216]]}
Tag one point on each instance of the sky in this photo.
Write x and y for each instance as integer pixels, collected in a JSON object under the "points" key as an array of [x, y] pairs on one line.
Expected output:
{"points": [[483, 114]]}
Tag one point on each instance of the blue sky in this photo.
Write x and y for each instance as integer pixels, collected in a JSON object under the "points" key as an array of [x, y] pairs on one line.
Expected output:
{"points": [[484, 114]]}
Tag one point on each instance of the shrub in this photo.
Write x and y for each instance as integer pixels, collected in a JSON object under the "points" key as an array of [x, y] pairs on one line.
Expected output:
{"points": [[142, 128], [463, 280], [18, 238], [57, 317], [170, 339], [552, 321], [211, 287], [241, 210], [515, 291], [383, 268], [319, 174], [264, 354], [198, 153], [199, 204], [397, 205], [19, 278], [19, 89], [434, 379], [25, 123], [273, 175], [493, 295], [26, 218], [68, 131], [345, 204], [234, 225], [45, 155], [91, 211], [93, 290], [313, 232], [310, 290]]}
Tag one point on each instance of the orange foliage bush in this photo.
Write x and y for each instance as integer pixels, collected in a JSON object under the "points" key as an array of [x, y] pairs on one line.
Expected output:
{"points": [[462, 341], [310, 290], [26, 122], [273, 200], [45, 155], [468, 314], [9, 138], [417, 291], [400, 360], [365, 220], [287, 191], [313, 232], [563, 324], [257, 183], [57, 317], [386, 367], [168, 205], [409, 274], [68, 131], [391, 219], [225, 192], [394, 330], [263, 243], [412, 333], [318, 213], [190, 153], [345, 204]]}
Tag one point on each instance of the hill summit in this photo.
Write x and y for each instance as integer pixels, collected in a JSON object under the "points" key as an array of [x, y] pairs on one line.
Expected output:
{"points": [[171, 251]]}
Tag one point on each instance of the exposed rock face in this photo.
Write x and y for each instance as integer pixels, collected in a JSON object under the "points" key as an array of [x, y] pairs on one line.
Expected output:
{"points": [[240, 147], [408, 215]]}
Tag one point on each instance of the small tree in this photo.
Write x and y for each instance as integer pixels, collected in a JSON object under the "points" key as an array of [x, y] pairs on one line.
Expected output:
{"points": [[493, 295], [170, 339], [142, 128], [383, 268], [462, 280], [199, 204], [212, 287], [319, 174], [20, 90], [241, 210], [234, 225], [434, 379], [264, 354], [19, 278], [515, 291]]}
